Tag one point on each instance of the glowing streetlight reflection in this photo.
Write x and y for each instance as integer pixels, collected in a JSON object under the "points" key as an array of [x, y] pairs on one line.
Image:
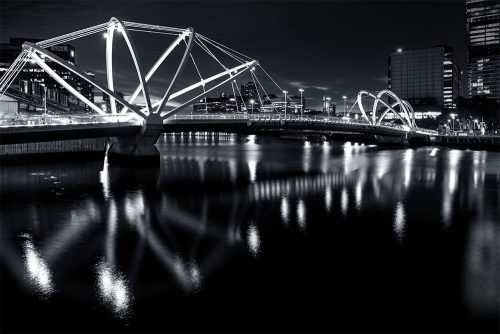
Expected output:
{"points": [[344, 201], [285, 211], [113, 289], [399, 221], [253, 240], [328, 199], [301, 215], [38, 271]]}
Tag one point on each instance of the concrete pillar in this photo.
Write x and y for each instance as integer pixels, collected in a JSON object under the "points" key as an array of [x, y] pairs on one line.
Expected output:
{"points": [[138, 149]]}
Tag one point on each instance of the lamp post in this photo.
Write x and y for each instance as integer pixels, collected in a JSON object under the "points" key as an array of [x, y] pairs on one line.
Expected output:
{"points": [[453, 121], [252, 101], [345, 100], [301, 102], [45, 99], [285, 92]]}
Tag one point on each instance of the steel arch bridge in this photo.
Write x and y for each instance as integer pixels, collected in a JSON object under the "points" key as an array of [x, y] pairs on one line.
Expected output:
{"points": [[38, 53], [405, 113], [146, 122], [153, 114]]}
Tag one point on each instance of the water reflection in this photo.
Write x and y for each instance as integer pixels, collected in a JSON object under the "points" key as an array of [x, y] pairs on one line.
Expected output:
{"points": [[344, 201], [399, 221], [113, 289], [301, 215], [285, 210], [214, 196], [37, 268], [253, 240]]}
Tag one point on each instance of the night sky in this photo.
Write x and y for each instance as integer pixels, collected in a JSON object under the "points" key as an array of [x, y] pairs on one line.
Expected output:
{"points": [[339, 46]]}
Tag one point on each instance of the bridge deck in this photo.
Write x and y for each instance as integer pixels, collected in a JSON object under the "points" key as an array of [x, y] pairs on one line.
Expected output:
{"points": [[41, 128]]}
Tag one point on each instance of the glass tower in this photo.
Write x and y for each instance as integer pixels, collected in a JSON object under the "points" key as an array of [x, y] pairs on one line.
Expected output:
{"points": [[425, 77], [483, 24]]}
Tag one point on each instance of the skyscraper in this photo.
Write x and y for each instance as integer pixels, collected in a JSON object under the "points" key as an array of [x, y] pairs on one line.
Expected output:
{"points": [[425, 77], [483, 24]]}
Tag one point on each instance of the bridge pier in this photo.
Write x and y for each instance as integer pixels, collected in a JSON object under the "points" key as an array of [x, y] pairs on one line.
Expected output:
{"points": [[138, 149], [391, 140]]}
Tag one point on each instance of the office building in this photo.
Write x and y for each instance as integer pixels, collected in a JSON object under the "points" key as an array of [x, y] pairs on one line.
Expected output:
{"points": [[483, 24], [33, 80], [249, 91], [428, 78]]}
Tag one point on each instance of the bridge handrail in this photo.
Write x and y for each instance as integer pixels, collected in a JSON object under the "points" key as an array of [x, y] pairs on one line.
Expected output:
{"points": [[44, 120]]}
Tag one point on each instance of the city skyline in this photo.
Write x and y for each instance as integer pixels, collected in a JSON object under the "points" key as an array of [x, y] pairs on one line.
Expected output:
{"points": [[267, 32]]}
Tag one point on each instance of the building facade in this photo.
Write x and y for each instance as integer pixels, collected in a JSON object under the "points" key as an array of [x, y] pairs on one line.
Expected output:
{"points": [[249, 91], [483, 25], [33, 80], [427, 78]]}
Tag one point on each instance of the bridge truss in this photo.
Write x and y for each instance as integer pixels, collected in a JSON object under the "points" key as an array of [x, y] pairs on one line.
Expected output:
{"points": [[188, 38]]}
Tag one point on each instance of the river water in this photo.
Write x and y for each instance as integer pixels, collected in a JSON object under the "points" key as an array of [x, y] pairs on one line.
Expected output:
{"points": [[250, 233]]}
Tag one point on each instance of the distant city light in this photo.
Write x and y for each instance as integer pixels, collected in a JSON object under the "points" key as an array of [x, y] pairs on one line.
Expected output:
{"points": [[399, 50]]}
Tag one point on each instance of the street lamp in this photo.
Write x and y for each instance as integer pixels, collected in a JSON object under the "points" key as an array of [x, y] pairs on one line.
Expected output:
{"points": [[45, 99], [285, 92], [301, 102], [453, 121], [345, 100], [252, 101]]}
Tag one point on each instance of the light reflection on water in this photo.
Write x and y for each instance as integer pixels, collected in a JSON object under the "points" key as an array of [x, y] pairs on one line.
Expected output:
{"points": [[37, 268], [113, 289], [253, 239], [215, 196]]}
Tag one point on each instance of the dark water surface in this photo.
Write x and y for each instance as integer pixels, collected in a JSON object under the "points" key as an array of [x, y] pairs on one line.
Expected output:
{"points": [[245, 233]]}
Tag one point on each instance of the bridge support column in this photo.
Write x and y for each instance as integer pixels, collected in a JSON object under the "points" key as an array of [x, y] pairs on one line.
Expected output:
{"points": [[391, 140], [138, 149]]}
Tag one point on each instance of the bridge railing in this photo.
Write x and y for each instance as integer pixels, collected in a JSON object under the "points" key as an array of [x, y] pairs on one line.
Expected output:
{"points": [[262, 117], [47, 120]]}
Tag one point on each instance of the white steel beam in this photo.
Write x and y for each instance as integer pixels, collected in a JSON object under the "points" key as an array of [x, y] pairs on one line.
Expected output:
{"points": [[179, 108], [205, 81], [157, 64], [184, 60], [63, 83], [33, 47]]}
